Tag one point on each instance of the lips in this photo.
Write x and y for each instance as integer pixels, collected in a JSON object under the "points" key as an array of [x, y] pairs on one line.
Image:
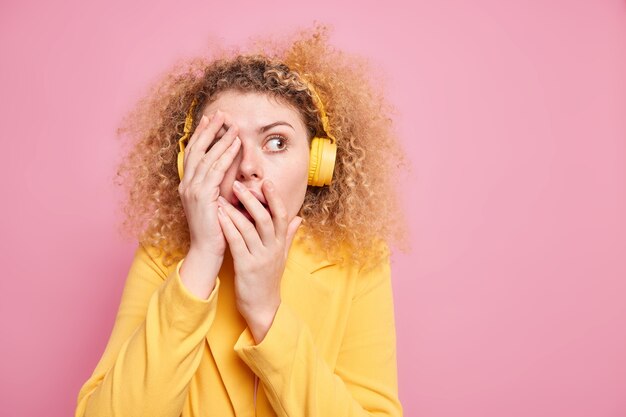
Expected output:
{"points": [[243, 211], [259, 196], [239, 205]]}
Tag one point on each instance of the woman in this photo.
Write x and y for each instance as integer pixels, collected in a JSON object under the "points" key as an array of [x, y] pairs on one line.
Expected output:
{"points": [[261, 189]]}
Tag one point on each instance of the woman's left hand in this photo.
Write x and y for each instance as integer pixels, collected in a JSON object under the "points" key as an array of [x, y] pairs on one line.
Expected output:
{"points": [[259, 253]]}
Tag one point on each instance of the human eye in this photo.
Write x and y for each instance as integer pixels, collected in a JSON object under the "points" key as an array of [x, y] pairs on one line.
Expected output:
{"points": [[277, 143]]}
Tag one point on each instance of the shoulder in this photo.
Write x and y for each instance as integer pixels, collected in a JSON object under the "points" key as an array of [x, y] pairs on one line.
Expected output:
{"points": [[344, 277], [157, 257], [307, 251]]}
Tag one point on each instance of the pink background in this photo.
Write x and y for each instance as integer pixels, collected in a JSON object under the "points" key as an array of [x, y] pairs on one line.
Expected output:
{"points": [[513, 299]]}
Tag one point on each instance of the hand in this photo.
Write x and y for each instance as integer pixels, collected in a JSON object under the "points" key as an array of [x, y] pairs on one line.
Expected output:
{"points": [[203, 173], [259, 253]]}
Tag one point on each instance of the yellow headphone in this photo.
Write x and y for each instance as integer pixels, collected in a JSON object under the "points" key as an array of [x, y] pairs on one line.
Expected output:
{"points": [[323, 149]]}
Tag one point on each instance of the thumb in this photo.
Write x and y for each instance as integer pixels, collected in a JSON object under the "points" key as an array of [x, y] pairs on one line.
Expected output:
{"points": [[291, 232]]}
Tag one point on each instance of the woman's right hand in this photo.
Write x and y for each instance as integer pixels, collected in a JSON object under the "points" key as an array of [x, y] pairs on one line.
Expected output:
{"points": [[203, 174]]}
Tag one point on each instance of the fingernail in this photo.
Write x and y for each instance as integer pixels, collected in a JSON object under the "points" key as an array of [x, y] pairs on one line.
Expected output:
{"points": [[221, 201], [238, 186]]}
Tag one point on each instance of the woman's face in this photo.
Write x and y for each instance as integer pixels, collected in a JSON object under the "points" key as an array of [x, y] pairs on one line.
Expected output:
{"points": [[274, 146]]}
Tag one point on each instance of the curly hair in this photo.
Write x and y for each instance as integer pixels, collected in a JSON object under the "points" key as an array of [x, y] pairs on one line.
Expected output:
{"points": [[359, 207]]}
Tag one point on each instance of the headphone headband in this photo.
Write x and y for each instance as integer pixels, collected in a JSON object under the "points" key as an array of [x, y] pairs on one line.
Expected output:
{"points": [[188, 125], [320, 106]]}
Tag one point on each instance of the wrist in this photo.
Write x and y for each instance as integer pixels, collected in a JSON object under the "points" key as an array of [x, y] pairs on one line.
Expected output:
{"points": [[198, 272], [260, 320], [205, 258]]}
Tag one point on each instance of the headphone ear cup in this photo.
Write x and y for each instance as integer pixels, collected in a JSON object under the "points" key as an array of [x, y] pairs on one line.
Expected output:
{"points": [[322, 161], [181, 160], [314, 161], [327, 161]]}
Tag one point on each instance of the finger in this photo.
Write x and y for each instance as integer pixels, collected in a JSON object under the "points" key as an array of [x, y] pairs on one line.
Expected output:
{"points": [[221, 128], [241, 237], [262, 218], [202, 125], [226, 122], [189, 159], [277, 209], [233, 237], [207, 160], [291, 232], [206, 119], [217, 160], [213, 120], [216, 172], [199, 129], [196, 151], [244, 226]]}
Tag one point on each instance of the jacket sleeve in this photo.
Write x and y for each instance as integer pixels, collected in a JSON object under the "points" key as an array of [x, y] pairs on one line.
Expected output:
{"points": [[297, 380], [155, 346]]}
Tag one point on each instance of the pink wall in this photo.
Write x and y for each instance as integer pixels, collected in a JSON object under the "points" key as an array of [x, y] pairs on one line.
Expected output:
{"points": [[513, 301]]}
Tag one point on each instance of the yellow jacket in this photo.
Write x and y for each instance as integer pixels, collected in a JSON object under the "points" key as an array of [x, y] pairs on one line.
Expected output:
{"points": [[330, 351]]}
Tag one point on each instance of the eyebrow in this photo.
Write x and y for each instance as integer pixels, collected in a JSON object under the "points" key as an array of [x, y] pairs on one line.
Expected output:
{"points": [[265, 128]]}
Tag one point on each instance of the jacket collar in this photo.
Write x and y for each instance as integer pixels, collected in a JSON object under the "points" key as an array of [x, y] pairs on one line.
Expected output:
{"points": [[305, 256]]}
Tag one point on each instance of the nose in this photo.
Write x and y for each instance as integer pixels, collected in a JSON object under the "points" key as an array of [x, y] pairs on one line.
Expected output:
{"points": [[250, 163]]}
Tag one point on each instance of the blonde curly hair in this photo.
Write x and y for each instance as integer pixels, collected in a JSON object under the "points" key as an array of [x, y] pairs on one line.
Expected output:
{"points": [[359, 208]]}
